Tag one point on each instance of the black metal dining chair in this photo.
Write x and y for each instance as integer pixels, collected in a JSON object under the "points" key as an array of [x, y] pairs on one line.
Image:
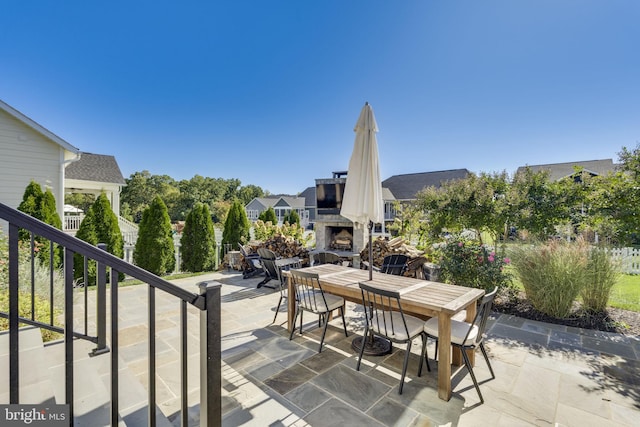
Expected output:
{"points": [[467, 336], [310, 297], [384, 318], [284, 265]]}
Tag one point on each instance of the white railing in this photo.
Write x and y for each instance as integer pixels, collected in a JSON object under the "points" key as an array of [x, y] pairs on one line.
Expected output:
{"points": [[72, 222], [128, 229], [629, 259]]}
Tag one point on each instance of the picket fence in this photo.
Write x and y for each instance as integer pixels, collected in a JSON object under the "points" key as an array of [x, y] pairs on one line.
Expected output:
{"points": [[629, 259]]}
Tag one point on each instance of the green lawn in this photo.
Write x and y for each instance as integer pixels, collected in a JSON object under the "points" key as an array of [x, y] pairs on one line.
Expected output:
{"points": [[626, 293]]}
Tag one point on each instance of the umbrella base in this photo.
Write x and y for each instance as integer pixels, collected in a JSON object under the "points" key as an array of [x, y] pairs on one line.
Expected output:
{"points": [[376, 347]]}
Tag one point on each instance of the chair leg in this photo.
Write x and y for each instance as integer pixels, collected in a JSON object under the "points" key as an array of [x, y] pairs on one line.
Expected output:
{"points": [[404, 366], [486, 358], [277, 309], [435, 356], [293, 325], [364, 339], [324, 331], [301, 313], [423, 354], [344, 322], [467, 362]]}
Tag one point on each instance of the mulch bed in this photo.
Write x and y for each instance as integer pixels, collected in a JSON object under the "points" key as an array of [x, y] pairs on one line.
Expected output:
{"points": [[613, 320]]}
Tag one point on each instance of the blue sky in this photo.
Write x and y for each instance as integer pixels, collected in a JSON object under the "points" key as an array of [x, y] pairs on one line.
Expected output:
{"points": [[269, 92]]}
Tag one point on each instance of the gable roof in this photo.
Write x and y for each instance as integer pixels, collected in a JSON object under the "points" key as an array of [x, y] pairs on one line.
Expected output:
{"points": [[405, 187], [37, 127], [309, 195], [562, 170], [95, 167]]}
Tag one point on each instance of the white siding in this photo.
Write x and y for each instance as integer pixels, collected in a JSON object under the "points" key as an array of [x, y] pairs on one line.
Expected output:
{"points": [[26, 155]]}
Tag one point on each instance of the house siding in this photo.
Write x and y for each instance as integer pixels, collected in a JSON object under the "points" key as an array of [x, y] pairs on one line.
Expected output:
{"points": [[27, 155]]}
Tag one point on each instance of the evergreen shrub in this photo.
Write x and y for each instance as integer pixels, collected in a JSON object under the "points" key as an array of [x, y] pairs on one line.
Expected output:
{"points": [[268, 216], [198, 242], [100, 225], [236, 227], [154, 249]]}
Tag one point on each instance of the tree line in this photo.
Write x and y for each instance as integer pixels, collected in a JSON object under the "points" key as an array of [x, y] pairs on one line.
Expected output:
{"points": [[179, 196]]}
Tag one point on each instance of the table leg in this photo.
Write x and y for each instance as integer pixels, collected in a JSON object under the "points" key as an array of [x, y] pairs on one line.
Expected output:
{"points": [[291, 303], [444, 353]]}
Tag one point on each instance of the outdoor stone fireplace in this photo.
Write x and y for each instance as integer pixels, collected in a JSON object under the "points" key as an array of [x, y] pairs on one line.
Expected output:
{"points": [[334, 232]]}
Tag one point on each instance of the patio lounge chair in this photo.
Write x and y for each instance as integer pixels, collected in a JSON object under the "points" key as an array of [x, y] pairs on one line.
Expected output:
{"points": [[268, 261], [468, 336], [394, 264], [251, 265]]}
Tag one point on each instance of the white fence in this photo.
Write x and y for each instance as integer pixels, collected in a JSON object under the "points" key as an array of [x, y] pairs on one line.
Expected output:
{"points": [[629, 259]]}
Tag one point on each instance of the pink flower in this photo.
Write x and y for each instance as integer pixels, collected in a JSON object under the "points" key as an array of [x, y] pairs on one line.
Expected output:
{"points": [[491, 258], [506, 260], [459, 244]]}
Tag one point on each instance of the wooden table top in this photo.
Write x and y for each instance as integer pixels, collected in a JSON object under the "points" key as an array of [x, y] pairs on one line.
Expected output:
{"points": [[418, 296]]}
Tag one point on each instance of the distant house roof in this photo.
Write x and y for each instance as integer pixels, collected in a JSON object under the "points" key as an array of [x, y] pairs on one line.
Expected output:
{"points": [[278, 201], [95, 167], [562, 170], [407, 186], [309, 195], [37, 127]]}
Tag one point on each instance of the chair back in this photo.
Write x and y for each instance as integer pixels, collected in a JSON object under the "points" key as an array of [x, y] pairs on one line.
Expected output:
{"points": [[309, 294], [286, 265], [482, 315], [268, 261], [383, 312], [326, 258], [395, 264], [243, 251]]}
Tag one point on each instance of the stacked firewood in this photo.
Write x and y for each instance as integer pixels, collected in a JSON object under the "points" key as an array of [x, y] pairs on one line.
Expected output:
{"points": [[383, 247], [284, 247]]}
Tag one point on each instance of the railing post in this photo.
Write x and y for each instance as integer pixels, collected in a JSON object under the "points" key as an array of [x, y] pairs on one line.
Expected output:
{"points": [[101, 307], [210, 356]]}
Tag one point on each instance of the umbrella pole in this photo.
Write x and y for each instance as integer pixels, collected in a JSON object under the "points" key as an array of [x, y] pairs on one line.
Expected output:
{"points": [[370, 251]]}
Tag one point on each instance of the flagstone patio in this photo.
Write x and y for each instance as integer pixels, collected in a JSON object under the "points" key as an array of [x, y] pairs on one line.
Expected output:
{"points": [[545, 374]]}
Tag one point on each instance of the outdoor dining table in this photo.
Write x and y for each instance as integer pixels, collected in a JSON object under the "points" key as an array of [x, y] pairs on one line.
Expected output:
{"points": [[421, 298]]}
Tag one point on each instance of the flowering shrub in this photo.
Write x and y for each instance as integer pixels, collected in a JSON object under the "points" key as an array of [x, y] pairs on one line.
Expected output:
{"points": [[468, 263]]}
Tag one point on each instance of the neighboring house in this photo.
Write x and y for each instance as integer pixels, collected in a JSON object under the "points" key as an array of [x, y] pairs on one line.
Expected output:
{"points": [[558, 171], [28, 152], [309, 196], [281, 204], [95, 174], [406, 187]]}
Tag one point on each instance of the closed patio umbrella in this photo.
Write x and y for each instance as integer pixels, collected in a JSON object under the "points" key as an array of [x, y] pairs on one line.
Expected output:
{"points": [[362, 202]]}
